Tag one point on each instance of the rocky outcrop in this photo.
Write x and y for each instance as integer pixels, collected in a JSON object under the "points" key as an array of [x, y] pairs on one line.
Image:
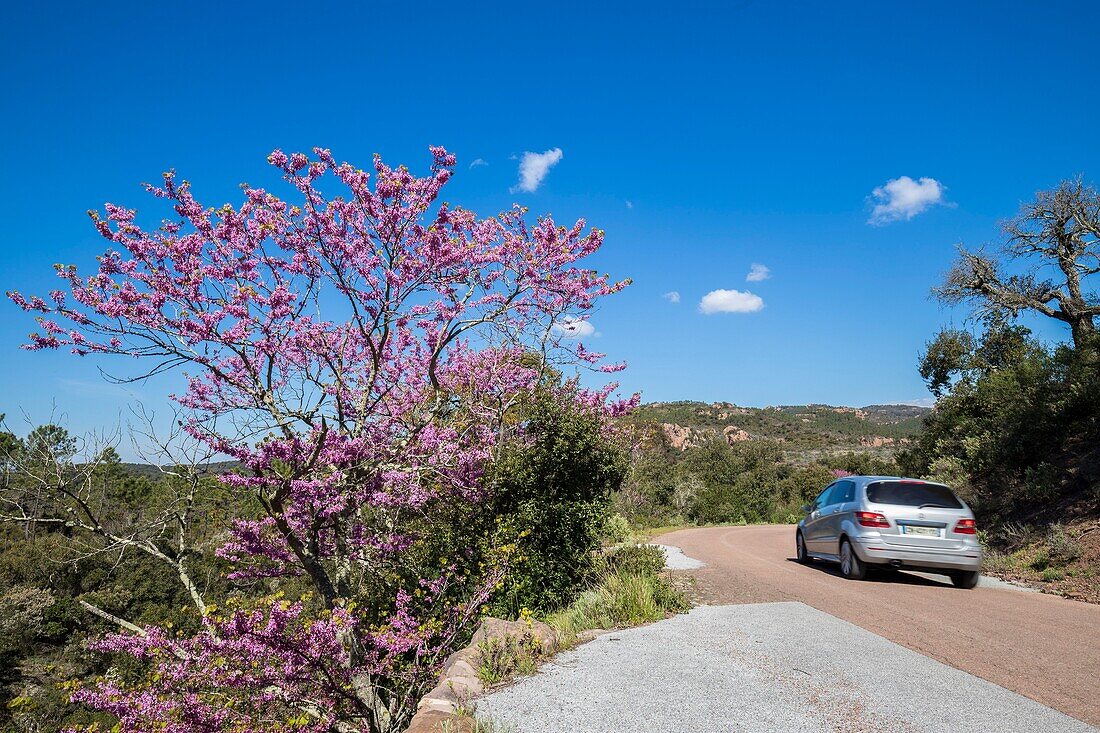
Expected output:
{"points": [[679, 436], [734, 434]]}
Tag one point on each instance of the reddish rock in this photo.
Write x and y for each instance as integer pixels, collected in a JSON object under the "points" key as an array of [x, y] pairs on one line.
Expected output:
{"points": [[735, 434]]}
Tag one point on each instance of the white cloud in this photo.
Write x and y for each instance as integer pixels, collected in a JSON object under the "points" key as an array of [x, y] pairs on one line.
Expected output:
{"points": [[533, 167], [730, 301], [903, 198], [672, 296], [758, 272], [629, 204], [570, 327], [478, 162], [921, 402]]}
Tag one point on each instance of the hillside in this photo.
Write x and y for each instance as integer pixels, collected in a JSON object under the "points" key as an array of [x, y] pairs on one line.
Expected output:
{"points": [[806, 432]]}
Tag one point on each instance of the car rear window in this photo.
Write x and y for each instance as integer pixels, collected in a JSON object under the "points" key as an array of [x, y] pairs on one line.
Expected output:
{"points": [[912, 493]]}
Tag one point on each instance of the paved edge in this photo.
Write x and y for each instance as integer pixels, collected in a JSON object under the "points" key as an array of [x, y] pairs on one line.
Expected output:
{"points": [[754, 667], [675, 559]]}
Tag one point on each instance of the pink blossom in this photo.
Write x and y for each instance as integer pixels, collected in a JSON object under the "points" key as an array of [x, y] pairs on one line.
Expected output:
{"points": [[371, 342]]}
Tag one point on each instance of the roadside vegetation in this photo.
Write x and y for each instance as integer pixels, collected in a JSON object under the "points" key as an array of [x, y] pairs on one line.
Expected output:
{"points": [[551, 513], [1059, 558], [401, 466], [1017, 426], [716, 482], [631, 590], [389, 505]]}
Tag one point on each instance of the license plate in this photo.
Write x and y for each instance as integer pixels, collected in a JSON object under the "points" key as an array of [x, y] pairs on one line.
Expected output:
{"points": [[922, 531]]}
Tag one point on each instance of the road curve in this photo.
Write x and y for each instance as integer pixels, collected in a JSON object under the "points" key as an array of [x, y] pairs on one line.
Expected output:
{"points": [[1040, 646]]}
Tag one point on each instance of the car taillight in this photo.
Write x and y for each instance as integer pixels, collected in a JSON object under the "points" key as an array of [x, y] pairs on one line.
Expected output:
{"points": [[966, 526], [872, 519]]}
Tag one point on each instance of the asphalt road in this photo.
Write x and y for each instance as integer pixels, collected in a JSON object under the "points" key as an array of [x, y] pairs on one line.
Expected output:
{"points": [[1043, 647], [759, 668]]}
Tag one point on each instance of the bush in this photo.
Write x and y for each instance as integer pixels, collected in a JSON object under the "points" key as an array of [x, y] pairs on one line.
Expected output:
{"points": [[616, 528], [503, 658], [1052, 575], [1063, 546], [1041, 561], [620, 599], [551, 492], [477, 724], [1017, 426], [636, 560]]}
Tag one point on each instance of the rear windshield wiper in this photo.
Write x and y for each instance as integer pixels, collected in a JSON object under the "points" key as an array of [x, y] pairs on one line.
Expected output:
{"points": [[941, 506]]}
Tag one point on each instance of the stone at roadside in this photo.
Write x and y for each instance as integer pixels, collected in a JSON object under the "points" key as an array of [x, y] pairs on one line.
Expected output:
{"points": [[458, 681]]}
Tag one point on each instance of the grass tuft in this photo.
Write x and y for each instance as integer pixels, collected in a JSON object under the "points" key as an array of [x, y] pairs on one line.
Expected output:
{"points": [[622, 598], [504, 658]]}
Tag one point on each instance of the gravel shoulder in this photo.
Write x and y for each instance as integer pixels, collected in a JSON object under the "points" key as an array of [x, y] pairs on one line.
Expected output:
{"points": [[766, 668], [675, 559]]}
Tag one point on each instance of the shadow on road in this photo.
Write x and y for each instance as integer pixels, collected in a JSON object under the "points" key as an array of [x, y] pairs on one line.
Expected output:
{"points": [[881, 575]]}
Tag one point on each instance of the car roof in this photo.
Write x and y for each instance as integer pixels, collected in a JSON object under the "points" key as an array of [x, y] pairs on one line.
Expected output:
{"points": [[872, 479]]}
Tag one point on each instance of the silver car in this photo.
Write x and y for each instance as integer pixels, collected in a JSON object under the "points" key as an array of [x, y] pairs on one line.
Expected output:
{"points": [[891, 522]]}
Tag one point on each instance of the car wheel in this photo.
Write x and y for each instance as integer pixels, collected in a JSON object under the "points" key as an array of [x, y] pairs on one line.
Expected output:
{"points": [[800, 553], [851, 567], [965, 578]]}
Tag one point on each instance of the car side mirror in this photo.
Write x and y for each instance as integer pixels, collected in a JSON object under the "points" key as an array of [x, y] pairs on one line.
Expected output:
{"points": [[806, 508]]}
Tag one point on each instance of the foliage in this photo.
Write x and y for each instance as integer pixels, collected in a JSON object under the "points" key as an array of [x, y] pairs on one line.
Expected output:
{"points": [[356, 434], [53, 573], [1017, 427], [636, 560], [552, 487], [478, 724], [621, 598], [504, 658], [746, 482], [1059, 558], [616, 528]]}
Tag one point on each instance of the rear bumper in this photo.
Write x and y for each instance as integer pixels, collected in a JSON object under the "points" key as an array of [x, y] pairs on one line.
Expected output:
{"points": [[876, 552]]}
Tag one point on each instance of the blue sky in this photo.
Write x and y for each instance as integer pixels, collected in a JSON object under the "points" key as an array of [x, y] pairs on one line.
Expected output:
{"points": [[702, 138]]}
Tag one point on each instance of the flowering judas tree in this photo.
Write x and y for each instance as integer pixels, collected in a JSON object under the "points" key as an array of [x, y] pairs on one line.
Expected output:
{"points": [[357, 355]]}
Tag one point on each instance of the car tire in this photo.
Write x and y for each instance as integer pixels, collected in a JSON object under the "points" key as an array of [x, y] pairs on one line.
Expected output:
{"points": [[965, 578], [800, 553], [851, 567]]}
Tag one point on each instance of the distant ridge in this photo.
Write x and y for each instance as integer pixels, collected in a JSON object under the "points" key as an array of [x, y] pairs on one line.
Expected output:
{"points": [[806, 431]]}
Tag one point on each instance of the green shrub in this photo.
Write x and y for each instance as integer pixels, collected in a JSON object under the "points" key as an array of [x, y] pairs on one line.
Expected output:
{"points": [[621, 599], [616, 528], [1016, 424], [1041, 561], [636, 560], [1051, 575], [551, 492], [503, 658], [480, 725], [1063, 546]]}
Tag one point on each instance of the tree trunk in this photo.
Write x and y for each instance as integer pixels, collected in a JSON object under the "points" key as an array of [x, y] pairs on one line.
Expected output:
{"points": [[1086, 341]]}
